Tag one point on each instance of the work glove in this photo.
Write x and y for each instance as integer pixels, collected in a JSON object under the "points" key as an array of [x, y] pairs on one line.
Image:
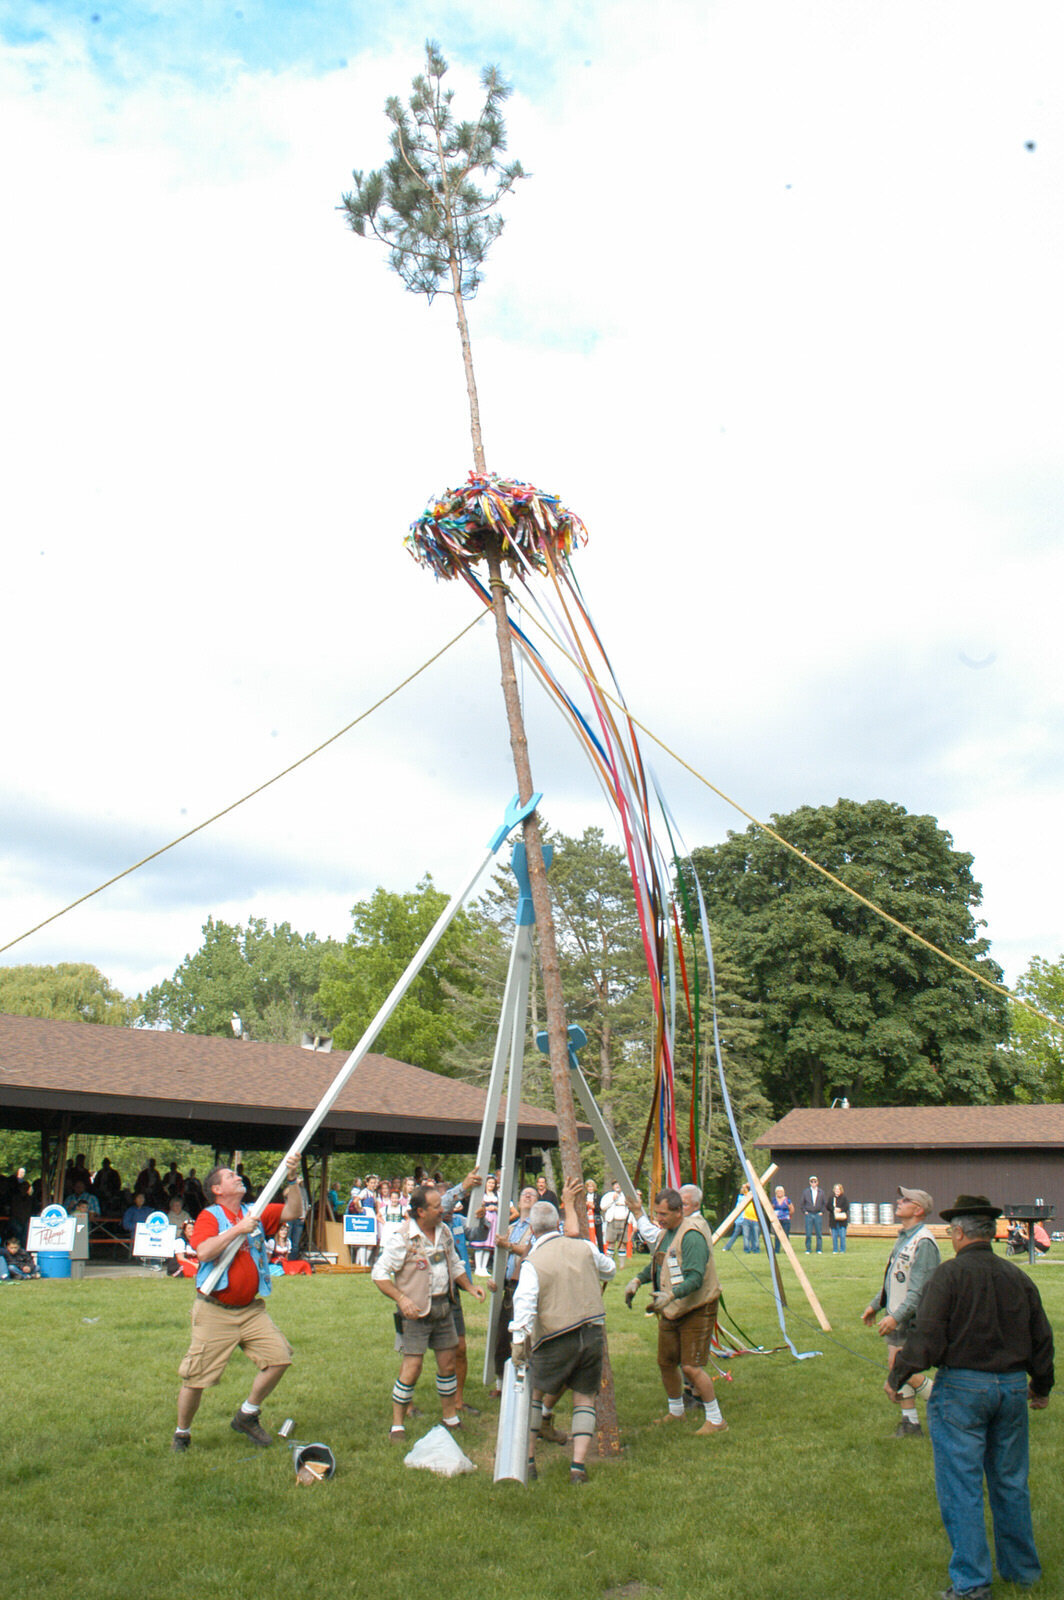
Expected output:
{"points": [[659, 1300], [519, 1351], [630, 1292]]}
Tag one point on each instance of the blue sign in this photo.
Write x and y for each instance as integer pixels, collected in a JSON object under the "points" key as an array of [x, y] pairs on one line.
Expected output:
{"points": [[359, 1228]]}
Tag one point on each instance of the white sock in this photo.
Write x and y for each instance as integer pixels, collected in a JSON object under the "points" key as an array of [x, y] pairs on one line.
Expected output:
{"points": [[676, 1407], [909, 1414], [249, 1410], [713, 1411]]}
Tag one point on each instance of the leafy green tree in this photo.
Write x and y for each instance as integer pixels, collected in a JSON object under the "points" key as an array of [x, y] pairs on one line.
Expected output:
{"points": [[267, 976], [1037, 1046], [850, 1005], [356, 980], [70, 992], [606, 985], [739, 1030]]}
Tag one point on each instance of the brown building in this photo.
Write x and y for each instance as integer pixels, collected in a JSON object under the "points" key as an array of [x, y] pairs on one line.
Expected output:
{"points": [[1014, 1154], [64, 1079]]}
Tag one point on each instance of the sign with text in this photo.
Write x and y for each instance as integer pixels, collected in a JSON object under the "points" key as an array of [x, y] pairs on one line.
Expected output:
{"points": [[52, 1230], [360, 1229], [155, 1237]]}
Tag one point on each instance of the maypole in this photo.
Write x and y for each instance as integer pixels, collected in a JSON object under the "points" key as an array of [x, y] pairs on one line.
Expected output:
{"points": [[438, 224]]}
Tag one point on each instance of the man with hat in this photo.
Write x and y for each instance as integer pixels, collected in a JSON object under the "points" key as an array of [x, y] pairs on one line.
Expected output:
{"points": [[815, 1206], [981, 1323], [912, 1261]]}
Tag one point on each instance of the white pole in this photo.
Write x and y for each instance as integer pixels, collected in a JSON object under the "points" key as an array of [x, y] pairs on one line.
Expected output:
{"points": [[361, 1049]]}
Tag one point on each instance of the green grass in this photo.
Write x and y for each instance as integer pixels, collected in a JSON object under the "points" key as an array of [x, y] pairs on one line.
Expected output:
{"points": [[807, 1497]]}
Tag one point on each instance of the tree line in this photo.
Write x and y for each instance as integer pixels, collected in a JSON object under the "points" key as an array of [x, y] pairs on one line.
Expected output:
{"points": [[817, 996]]}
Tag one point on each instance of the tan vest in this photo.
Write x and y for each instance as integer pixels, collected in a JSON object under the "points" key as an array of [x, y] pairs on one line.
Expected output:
{"points": [[570, 1291], [668, 1269], [412, 1276]]}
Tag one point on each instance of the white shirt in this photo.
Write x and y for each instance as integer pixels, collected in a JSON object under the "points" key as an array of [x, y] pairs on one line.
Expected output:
{"points": [[648, 1231], [526, 1295], [393, 1253]]}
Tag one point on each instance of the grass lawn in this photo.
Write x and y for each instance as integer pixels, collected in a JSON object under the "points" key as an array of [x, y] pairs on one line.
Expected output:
{"points": [[806, 1497]]}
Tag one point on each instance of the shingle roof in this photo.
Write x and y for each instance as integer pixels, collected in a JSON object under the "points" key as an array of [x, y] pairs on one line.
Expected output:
{"points": [[918, 1128], [94, 1070]]}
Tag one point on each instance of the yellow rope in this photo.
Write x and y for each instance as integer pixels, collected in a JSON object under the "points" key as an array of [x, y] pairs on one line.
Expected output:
{"points": [[251, 795], [902, 927]]}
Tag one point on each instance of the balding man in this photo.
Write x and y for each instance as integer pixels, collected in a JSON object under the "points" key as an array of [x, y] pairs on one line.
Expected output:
{"points": [[558, 1321], [686, 1293], [649, 1232]]}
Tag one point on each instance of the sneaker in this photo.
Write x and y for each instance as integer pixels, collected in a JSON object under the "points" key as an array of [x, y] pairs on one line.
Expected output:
{"points": [[179, 1442], [902, 1431], [552, 1433], [983, 1592], [252, 1428]]}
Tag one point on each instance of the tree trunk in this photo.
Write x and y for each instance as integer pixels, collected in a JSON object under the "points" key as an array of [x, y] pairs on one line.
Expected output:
{"points": [[607, 1441], [470, 375], [554, 1003]]}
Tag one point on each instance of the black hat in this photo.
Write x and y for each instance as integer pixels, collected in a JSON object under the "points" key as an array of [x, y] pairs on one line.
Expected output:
{"points": [[971, 1205]]}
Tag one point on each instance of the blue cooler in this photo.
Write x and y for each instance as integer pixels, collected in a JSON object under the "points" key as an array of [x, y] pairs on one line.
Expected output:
{"points": [[54, 1263]]}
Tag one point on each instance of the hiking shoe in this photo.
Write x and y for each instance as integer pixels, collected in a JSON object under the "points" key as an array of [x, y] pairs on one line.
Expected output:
{"points": [[252, 1428], [904, 1428], [552, 1433], [179, 1442]]}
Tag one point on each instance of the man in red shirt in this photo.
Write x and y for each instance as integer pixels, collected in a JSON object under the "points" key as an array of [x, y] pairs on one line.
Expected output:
{"points": [[233, 1316]]}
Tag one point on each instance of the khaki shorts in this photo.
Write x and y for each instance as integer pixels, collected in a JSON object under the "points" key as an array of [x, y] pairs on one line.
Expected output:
{"points": [[218, 1330], [685, 1342], [434, 1332]]}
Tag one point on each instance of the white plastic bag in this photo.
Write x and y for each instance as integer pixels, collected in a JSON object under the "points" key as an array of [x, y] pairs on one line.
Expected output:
{"points": [[440, 1451]]}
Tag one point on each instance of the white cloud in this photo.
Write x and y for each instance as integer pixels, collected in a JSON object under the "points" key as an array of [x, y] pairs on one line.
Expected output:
{"points": [[776, 314]]}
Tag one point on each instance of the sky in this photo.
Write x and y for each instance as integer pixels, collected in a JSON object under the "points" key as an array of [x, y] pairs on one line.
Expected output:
{"points": [[777, 313]]}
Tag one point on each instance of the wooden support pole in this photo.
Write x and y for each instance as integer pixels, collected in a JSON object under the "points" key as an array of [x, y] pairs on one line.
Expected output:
{"points": [[741, 1207], [788, 1250]]}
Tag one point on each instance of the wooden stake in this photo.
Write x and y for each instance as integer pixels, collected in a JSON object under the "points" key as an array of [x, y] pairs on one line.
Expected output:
{"points": [[799, 1271], [741, 1207]]}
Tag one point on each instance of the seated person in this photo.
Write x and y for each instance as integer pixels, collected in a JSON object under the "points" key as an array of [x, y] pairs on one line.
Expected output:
{"points": [[281, 1254], [81, 1195], [15, 1261], [137, 1212], [185, 1262]]}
